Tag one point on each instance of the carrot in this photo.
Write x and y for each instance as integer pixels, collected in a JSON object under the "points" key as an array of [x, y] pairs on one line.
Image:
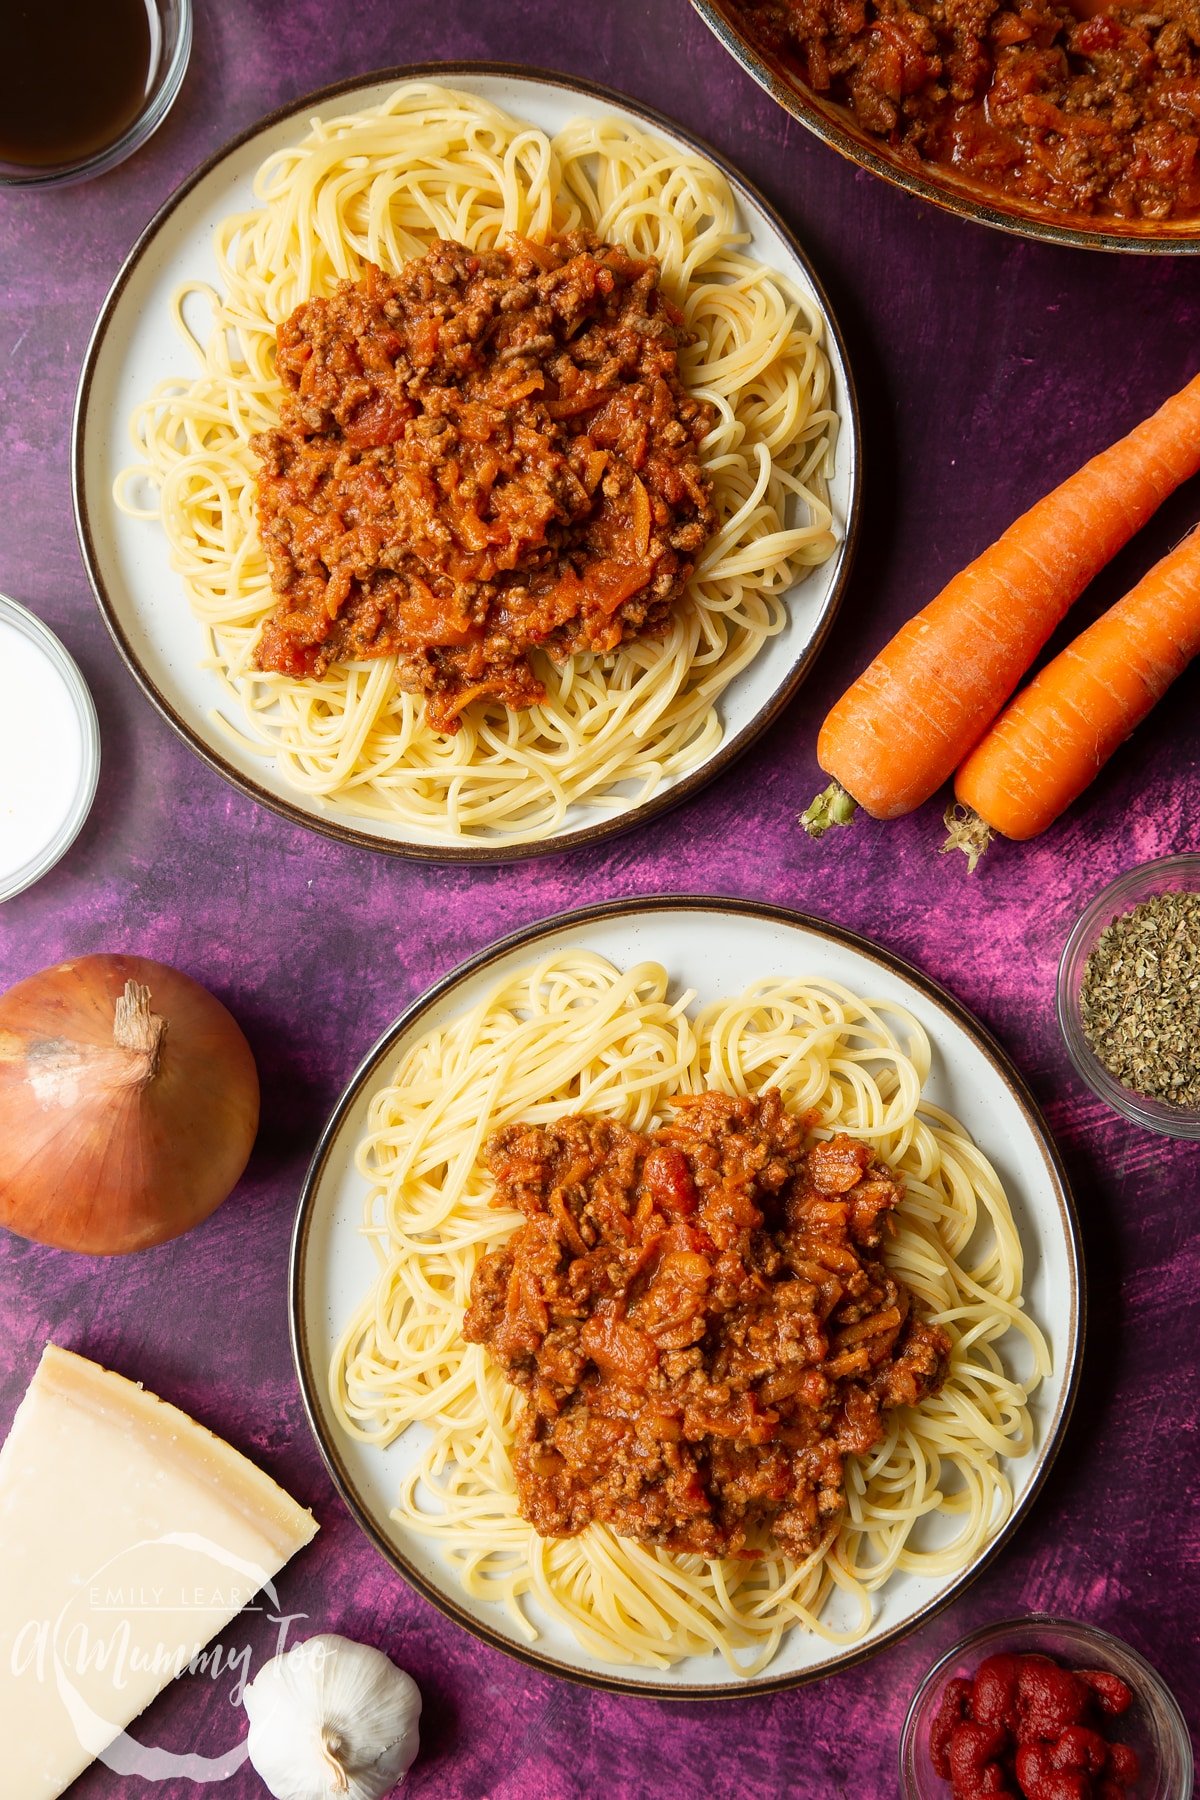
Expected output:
{"points": [[910, 718], [1060, 731]]}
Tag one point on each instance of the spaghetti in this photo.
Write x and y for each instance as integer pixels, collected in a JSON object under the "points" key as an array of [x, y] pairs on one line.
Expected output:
{"points": [[573, 1034], [378, 187]]}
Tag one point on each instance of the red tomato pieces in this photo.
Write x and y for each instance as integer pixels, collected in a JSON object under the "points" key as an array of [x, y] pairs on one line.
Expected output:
{"points": [[1050, 1698], [1109, 1689], [1026, 1728], [668, 1177], [956, 1698]]}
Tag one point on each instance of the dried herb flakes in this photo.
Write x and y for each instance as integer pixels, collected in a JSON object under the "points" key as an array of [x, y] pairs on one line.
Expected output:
{"points": [[1139, 999]]}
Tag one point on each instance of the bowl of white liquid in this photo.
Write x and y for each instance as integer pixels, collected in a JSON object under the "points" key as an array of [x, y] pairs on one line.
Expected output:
{"points": [[49, 749]]}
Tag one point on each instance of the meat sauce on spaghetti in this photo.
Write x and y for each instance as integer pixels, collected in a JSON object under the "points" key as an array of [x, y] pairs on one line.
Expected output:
{"points": [[487, 453], [701, 1322], [1090, 108]]}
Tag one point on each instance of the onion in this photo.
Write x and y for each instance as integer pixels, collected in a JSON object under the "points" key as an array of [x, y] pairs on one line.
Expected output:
{"points": [[128, 1104]]}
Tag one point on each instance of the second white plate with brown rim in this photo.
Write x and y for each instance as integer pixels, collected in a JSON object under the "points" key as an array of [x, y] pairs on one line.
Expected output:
{"points": [[716, 947], [134, 347]]}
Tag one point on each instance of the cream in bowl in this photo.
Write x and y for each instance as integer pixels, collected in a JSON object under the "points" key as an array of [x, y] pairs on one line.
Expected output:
{"points": [[49, 749]]}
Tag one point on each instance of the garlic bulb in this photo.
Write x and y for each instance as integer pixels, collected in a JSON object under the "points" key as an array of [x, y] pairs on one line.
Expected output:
{"points": [[332, 1720]]}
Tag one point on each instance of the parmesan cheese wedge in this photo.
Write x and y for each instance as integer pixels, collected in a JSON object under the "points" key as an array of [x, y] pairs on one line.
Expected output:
{"points": [[129, 1537]]}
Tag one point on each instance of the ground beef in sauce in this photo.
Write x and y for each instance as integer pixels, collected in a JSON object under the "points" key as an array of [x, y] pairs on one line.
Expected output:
{"points": [[487, 453], [1088, 109], [701, 1321]]}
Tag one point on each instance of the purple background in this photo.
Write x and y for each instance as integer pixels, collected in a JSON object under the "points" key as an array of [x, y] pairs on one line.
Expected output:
{"points": [[988, 368]]}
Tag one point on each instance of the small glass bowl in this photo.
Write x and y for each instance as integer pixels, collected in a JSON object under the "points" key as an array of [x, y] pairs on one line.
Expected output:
{"points": [[15, 880], [1154, 1724], [171, 28], [1167, 873]]}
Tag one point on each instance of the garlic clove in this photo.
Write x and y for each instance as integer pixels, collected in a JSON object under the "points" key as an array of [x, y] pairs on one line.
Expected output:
{"points": [[331, 1719]]}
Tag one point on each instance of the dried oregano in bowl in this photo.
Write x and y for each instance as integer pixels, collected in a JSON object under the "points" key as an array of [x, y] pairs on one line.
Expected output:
{"points": [[1129, 994], [1139, 998]]}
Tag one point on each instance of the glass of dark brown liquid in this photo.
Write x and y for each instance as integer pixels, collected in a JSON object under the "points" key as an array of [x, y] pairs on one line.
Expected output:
{"points": [[83, 84]]}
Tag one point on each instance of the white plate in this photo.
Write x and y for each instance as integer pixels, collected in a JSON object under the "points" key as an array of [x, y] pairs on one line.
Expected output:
{"points": [[135, 345], [717, 947]]}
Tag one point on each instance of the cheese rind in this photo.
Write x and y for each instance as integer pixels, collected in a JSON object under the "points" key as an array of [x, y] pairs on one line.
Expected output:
{"points": [[129, 1537]]}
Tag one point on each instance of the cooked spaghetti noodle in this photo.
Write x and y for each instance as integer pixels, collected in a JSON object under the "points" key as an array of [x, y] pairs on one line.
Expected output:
{"points": [[574, 1034], [378, 186]]}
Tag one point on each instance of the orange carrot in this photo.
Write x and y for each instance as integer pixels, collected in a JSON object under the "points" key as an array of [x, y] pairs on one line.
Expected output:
{"points": [[908, 721], [1060, 731]]}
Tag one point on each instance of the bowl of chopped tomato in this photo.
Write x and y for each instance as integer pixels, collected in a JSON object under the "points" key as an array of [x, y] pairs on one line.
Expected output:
{"points": [[1044, 1709]]}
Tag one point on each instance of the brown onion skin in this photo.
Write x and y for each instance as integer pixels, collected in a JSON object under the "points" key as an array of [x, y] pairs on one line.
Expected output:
{"points": [[143, 1160]]}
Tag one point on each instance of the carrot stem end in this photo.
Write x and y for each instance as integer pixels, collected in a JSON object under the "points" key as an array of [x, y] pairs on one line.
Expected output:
{"points": [[832, 806], [967, 832]]}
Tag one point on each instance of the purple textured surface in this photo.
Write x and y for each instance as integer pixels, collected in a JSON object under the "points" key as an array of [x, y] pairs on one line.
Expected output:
{"points": [[988, 368]]}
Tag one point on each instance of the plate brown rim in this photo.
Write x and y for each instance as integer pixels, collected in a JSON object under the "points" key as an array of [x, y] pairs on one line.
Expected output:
{"points": [[1053, 229], [732, 748], [580, 918]]}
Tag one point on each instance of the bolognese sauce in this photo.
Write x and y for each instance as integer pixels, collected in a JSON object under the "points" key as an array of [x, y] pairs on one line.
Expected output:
{"points": [[1085, 108], [701, 1321], [488, 453]]}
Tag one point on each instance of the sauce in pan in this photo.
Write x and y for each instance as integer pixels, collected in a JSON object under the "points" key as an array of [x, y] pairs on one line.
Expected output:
{"points": [[1088, 108]]}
